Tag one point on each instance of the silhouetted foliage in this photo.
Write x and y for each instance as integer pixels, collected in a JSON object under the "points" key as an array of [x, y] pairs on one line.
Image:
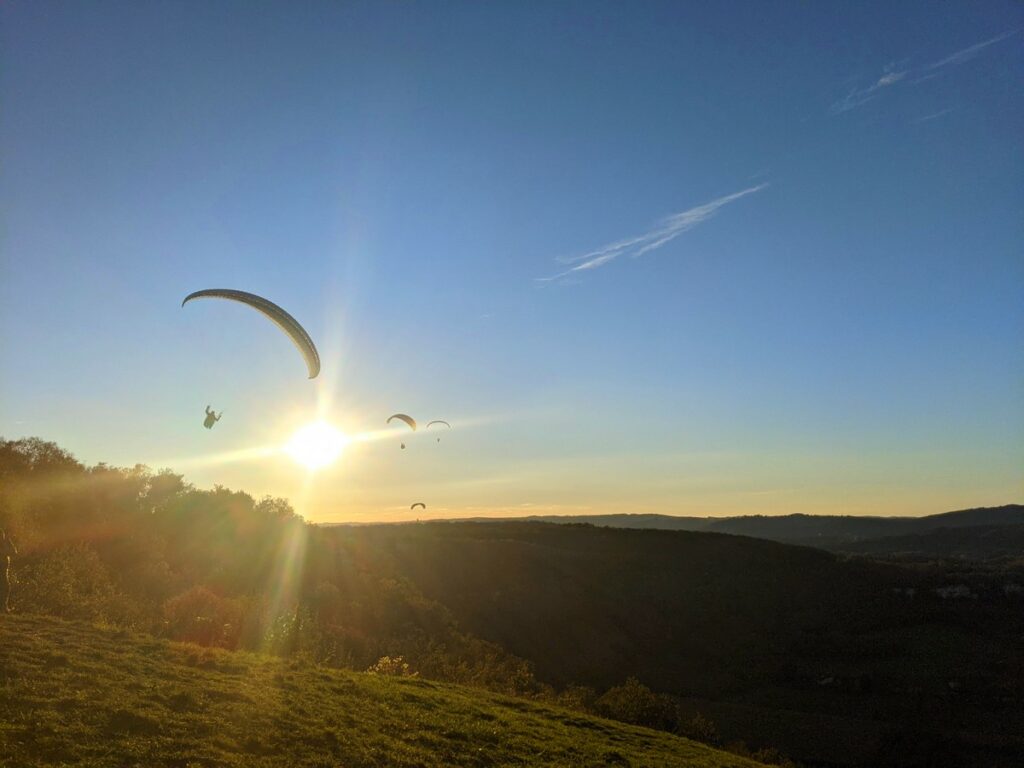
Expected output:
{"points": [[700, 728], [633, 702]]}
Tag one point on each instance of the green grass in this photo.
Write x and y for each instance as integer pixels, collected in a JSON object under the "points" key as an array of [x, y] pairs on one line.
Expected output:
{"points": [[75, 694]]}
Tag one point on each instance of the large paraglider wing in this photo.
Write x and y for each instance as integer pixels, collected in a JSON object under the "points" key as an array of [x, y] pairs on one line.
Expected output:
{"points": [[278, 316], [402, 417], [438, 421], [418, 504]]}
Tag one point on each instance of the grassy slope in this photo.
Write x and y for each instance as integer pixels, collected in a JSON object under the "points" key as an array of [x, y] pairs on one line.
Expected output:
{"points": [[71, 693]]}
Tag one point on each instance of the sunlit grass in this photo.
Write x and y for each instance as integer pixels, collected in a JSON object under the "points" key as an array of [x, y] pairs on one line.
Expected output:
{"points": [[93, 697]]}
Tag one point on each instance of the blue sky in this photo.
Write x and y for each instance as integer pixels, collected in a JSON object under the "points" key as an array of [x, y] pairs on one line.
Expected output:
{"points": [[713, 259]]}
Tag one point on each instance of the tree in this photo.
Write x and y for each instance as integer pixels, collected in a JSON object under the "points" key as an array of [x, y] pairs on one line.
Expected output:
{"points": [[633, 702]]}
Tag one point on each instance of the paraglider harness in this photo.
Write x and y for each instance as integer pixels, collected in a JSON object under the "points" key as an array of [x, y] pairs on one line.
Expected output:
{"points": [[211, 418]]}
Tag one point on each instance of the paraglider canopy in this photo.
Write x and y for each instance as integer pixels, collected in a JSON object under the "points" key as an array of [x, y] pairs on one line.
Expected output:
{"points": [[275, 314], [418, 504], [403, 417], [438, 421]]}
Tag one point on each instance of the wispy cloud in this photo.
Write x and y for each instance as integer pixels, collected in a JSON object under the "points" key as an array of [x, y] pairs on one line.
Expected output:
{"points": [[933, 115], [966, 54], [859, 96], [666, 230], [892, 77]]}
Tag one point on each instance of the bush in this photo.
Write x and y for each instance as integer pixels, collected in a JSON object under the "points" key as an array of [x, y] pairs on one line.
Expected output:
{"points": [[579, 697], [71, 582], [202, 617], [700, 729], [633, 702]]}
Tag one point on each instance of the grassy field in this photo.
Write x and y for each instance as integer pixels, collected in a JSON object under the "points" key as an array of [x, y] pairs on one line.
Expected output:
{"points": [[75, 694]]}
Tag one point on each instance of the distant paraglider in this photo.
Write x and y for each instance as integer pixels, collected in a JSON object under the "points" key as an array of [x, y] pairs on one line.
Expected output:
{"points": [[403, 417], [418, 504], [275, 314], [211, 418], [438, 421]]}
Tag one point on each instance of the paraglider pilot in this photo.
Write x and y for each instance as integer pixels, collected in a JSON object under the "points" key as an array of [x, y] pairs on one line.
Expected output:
{"points": [[211, 418]]}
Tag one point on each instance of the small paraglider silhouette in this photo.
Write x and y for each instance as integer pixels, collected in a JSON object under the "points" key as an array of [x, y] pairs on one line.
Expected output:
{"points": [[403, 417], [418, 504], [211, 418], [438, 421]]}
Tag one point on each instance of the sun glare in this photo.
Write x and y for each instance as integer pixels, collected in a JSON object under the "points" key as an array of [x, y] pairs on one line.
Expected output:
{"points": [[316, 445]]}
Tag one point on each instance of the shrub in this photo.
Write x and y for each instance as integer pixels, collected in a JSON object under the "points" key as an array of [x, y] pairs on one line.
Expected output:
{"points": [[578, 697], [700, 729], [71, 582], [633, 702], [202, 617]]}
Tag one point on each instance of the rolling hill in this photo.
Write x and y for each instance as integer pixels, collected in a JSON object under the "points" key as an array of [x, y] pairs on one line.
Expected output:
{"points": [[827, 531], [71, 693]]}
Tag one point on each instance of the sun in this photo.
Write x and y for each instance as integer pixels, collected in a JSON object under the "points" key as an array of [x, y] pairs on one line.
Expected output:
{"points": [[316, 445]]}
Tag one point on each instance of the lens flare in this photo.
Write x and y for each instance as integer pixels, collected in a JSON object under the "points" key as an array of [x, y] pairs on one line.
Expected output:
{"points": [[316, 445]]}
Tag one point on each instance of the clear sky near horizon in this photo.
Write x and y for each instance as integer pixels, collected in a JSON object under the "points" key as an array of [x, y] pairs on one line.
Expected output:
{"points": [[705, 259]]}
